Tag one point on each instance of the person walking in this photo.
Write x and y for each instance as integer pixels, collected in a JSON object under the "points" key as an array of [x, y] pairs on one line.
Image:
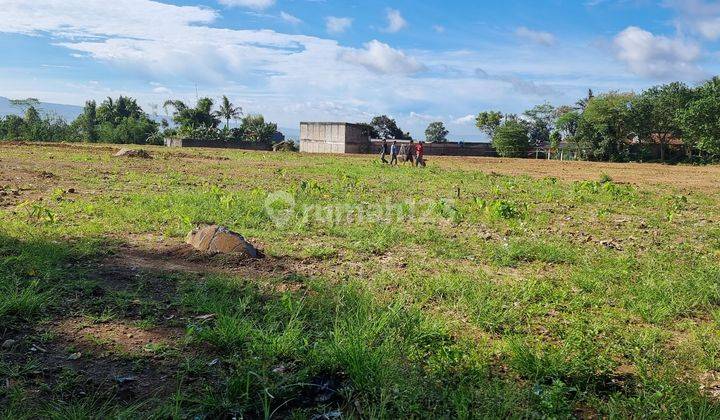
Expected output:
{"points": [[394, 153], [410, 156], [403, 151], [420, 154], [383, 151]]}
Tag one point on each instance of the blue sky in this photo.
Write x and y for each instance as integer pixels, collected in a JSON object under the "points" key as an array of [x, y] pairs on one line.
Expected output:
{"points": [[294, 60]]}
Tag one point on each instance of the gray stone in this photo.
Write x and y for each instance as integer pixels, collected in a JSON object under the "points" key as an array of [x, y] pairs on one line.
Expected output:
{"points": [[139, 153], [221, 240]]}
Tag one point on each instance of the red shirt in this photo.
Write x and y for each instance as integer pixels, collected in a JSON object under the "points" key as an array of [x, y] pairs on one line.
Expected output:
{"points": [[419, 150]]}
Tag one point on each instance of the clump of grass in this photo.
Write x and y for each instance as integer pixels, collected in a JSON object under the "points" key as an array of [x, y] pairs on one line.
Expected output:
{"points": [[522, 250]]}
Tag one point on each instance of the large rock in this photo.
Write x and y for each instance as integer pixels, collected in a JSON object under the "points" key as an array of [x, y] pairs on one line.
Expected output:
{"points": [[221, 240], [285, 146], [139, 153]]}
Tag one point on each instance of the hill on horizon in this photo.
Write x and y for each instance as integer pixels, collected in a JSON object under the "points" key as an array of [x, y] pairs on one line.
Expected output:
{"points": [[68, 112]]}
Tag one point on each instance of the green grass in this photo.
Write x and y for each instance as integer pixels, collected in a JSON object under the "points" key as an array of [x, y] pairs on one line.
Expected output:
{"points": [[505, 302]]}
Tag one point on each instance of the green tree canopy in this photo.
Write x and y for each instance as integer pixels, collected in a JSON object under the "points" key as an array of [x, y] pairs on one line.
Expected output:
{"points": [[567, 122], [386, 128], [511, 139], [255, 128], [489, 121], [656, 113], [605, 126], [201, 116], [436, 133], [86, 124], [540, 119], [700, 121]]}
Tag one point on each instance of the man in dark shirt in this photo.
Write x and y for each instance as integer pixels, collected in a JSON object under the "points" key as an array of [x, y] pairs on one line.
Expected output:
{"points": [[383, 151], [410, 157]]}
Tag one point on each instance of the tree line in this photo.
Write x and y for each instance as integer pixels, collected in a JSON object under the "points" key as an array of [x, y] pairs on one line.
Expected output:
{"points": [[386, 128], [617, 126], [123, 121], [614, 126]]}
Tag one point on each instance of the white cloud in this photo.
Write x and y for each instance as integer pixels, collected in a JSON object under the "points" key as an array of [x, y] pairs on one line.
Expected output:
{"points": [[337, 25], [396, 22], [162, 90], [250, 4], [698, 16], [657, 56], [709, 28], [525, 87], [424, 118], [468, 119], [537, 37], [287, 17], [381, 58], [438, 28]]}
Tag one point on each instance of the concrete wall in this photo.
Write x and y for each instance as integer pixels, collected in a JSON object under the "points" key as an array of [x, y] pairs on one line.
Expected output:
{"points": [[445, 149], [330, 137], [217, 144]]}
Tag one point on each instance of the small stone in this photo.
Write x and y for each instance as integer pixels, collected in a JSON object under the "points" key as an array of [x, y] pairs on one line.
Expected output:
{"points": [[125, 379], [609, 244], [8, 343], [75, 356], [35, 347]]}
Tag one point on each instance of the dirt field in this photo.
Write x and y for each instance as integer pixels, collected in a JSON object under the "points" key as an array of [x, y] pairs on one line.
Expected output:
{"points": [[684, 177]]}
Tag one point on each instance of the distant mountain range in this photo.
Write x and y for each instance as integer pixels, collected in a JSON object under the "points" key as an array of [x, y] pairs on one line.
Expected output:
{"points": [[68, 112]]}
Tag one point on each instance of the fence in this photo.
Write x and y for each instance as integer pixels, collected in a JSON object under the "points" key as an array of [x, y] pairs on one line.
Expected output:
{"points": [[443, 149], [218, 144]]}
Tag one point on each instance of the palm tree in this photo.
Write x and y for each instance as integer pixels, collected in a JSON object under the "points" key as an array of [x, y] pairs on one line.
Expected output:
{"points": [[177, 104], [228, 111], [200, 116], [583, 103]]}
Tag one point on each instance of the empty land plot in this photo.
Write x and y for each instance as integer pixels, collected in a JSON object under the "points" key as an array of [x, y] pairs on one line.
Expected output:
{"points": [[472, 288]]}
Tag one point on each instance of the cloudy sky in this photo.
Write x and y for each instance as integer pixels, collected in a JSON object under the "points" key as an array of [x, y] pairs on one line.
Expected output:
{"points": [[328, 60]]}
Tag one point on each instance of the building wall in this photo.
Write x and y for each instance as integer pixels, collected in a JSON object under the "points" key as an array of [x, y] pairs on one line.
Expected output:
{"points": [[328, 137], [339, 138], [217, 144]]}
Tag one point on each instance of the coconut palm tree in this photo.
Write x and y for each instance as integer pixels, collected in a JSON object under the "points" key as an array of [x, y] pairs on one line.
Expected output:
{"points": [[200, 116], [228, 111]]}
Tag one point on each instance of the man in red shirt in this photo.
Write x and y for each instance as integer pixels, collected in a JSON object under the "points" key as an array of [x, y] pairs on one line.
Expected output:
{"points": [[420, 154]]}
